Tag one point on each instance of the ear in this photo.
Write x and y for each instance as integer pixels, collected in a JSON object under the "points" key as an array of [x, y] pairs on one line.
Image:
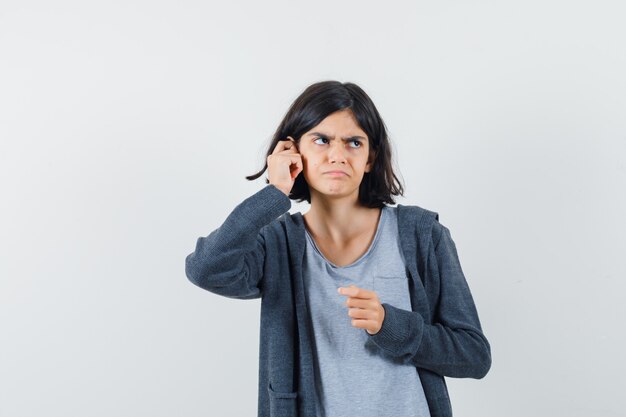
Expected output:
{"points": [[369, 166], [293, 141]]}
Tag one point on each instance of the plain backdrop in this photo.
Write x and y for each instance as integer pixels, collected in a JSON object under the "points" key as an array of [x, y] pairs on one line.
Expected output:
{"points": [[127, 128]]}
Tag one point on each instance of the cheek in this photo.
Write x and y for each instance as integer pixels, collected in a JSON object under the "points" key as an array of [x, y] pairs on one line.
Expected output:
{"points": [[309, 163], [310, 168]]}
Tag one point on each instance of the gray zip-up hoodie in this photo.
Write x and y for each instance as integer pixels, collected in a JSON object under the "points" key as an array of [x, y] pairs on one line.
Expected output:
{"points": [[258, 252]]}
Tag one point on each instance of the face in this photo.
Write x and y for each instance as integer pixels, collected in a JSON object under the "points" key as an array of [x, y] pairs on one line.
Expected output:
{"points": [[337, 143]]}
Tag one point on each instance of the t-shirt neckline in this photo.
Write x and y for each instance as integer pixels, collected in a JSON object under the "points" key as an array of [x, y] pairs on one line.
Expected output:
{"points": [[381, 220]]}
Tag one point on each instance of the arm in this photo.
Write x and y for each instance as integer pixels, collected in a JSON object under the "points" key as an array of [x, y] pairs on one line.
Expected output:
{"points": [[454, 345], [229, 261]]}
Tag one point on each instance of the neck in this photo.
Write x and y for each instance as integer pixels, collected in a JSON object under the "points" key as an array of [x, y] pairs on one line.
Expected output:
{"points": [[339, 219]]}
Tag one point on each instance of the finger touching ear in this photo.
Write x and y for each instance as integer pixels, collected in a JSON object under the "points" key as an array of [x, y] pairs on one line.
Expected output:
{"points": [[295, 144]]}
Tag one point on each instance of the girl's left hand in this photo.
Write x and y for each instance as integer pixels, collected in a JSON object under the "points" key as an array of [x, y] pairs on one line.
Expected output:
{"points": [[364, 307]]}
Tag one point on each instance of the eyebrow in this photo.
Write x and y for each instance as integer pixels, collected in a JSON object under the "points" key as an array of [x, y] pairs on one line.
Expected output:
{"points": [[344, 138]]}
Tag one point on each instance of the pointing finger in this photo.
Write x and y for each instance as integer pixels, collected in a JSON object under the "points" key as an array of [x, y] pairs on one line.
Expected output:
{"points": [[354, 291]]}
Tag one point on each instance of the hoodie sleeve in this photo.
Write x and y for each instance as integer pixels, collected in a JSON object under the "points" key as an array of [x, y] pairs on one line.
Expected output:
{"points": [[230, 260], [454, 345]]}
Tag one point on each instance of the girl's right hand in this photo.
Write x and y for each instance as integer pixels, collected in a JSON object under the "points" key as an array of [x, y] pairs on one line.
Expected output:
{"points": [[284, 165]]}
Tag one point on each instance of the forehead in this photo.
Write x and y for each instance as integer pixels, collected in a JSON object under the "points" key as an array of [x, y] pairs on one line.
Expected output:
{"points": [[341, 123]]}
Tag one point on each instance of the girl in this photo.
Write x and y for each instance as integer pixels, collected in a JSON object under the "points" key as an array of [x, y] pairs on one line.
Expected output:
{"points": [[364, 305]]}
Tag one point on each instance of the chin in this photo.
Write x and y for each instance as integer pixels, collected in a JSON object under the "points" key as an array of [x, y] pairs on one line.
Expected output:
{"points": [[340, 192]]}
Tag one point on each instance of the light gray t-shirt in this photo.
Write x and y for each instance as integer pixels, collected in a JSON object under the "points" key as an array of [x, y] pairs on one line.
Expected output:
{"points": [[353, 377]]}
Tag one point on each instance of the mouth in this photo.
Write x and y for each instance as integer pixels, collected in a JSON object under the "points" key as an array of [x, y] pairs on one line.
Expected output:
{"points": [[336, 173]]}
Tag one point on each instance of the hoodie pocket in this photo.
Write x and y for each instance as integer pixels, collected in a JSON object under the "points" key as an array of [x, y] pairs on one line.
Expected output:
{"points": [[282, 404]]}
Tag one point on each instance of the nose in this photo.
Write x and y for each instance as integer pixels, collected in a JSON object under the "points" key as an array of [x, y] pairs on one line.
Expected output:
{"points": [[336, 152]]}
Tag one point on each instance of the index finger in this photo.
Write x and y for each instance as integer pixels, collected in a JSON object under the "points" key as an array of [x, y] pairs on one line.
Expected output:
{"points": [[285, 144], [356, 292]]}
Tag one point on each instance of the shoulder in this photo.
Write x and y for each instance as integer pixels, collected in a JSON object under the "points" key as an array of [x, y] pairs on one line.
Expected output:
{"points": [[287, 224], [422, 217], [423, 220]]}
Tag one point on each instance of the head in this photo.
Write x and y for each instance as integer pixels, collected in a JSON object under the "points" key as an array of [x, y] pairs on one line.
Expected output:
{"points": [[337, 127]]}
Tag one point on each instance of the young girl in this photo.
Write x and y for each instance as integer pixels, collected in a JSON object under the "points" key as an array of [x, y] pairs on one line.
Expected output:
{"points": [[364, 305]]}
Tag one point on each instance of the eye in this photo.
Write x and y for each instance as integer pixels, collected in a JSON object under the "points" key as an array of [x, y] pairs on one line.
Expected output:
{"points": [[316, 139], [358, 142]]}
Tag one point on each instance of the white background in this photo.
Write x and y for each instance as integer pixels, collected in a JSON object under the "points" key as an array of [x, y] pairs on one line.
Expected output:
{"points": [[127, 129]]}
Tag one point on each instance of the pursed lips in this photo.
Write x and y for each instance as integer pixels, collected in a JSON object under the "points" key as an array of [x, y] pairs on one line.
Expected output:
{"points": [[336, 173]]}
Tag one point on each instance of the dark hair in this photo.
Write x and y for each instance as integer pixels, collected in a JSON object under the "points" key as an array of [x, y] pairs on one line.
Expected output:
{"points": [[312, 106]]}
